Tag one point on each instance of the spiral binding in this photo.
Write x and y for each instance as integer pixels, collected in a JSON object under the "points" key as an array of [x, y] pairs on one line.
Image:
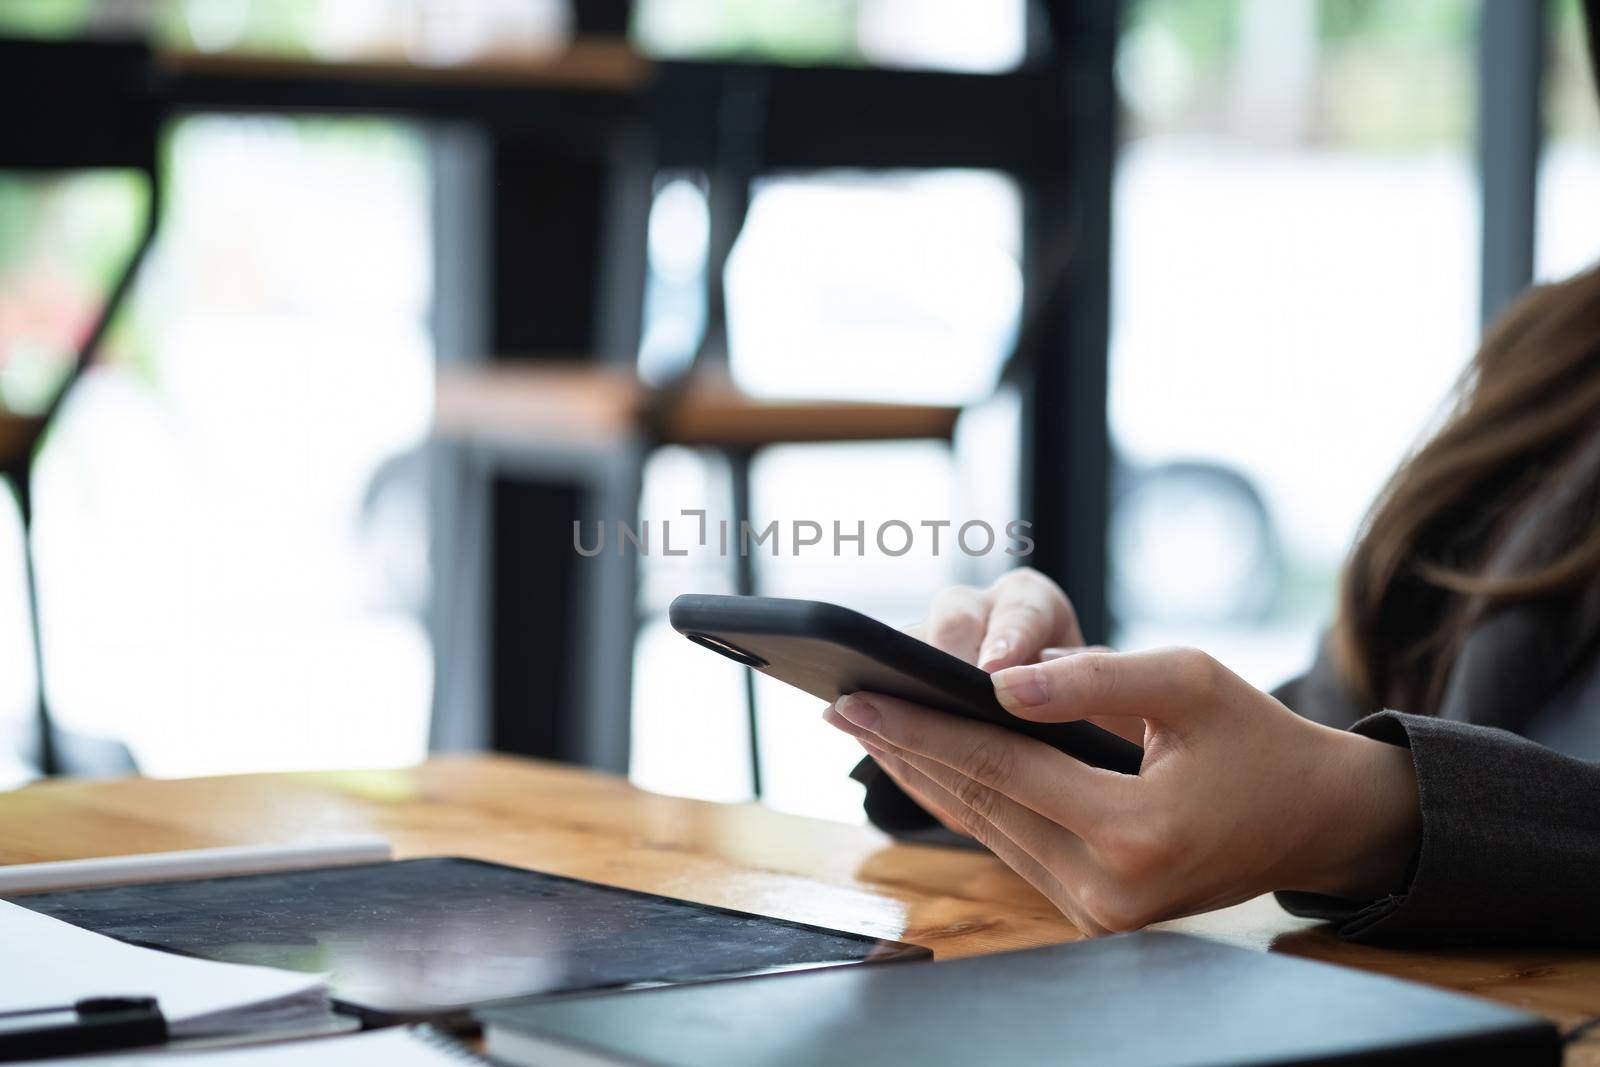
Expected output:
{"points": [[440, 1041]]}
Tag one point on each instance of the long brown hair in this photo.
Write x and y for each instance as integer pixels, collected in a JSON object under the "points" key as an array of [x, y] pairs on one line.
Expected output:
{"points": [[1510, 455], [1426, 568]]}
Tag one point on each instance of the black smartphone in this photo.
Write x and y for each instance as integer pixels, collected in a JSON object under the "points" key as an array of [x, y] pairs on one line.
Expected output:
{"points": [[829, 652]]}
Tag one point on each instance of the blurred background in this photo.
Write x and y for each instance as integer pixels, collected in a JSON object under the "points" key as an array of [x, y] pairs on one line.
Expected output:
{"points": [[435, 278]]}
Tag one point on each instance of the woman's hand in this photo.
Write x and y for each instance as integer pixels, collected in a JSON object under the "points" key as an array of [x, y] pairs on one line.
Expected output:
{"points": [[1237, 795], [1021, 618]]}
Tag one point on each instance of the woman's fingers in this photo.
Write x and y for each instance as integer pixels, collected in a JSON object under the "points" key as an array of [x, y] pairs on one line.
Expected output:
{"points": [[1029, 612], [981, 808], [994, 837], [941, 808], [1033, 774], [1129, 729], [957, 622], [1009, 623], [1163, 685], [1062, 652]]}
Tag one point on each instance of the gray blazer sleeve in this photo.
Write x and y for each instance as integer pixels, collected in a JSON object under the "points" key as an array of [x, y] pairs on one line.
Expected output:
{"points": [[1510, 843]]}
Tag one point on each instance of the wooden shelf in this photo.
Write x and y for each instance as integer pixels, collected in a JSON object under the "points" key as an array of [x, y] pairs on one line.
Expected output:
{"points": [[570, 402], [594, 64]]}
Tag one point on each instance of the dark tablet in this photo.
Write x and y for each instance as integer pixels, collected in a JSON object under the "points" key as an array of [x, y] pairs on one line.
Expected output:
{"points": [[433, 938]]}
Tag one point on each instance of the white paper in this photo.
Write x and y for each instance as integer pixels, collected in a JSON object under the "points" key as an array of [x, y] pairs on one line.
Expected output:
{"points": [[47, 963], [377, 1048]]}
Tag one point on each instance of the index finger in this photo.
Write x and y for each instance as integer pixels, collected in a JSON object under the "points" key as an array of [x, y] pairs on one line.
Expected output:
{"points": [[956, 622], [1029, 614], [1170, 686]]}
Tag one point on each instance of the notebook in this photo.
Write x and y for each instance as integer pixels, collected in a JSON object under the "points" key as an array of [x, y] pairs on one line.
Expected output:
{"points": [[49, 963], [1152, 999], [414, 1046]]}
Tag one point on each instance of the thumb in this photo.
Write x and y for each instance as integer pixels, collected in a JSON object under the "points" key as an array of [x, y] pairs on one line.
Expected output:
{"points": [[1060, 651], [1159, 685], [1124, 726]]}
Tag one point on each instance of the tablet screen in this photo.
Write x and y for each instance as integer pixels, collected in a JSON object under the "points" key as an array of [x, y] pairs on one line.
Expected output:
{"points": [[431, 938]]}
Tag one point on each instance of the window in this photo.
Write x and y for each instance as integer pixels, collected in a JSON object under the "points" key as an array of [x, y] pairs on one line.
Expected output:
{"points": [[230, 539], [1295, 290], [1568, 237], [63, 241], [422, 31], [966, 35]]}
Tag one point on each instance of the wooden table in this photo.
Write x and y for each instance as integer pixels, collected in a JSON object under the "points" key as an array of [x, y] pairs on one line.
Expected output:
{"points": [[594, 826]]}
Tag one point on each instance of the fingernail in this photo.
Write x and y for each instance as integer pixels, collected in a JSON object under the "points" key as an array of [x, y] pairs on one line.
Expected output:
{"points": [[995, 649], [1021, 687], [859, 712]]}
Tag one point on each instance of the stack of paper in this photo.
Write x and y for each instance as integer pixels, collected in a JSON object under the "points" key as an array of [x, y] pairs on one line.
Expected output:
{"points": [[49, 964], [412, 1046]]}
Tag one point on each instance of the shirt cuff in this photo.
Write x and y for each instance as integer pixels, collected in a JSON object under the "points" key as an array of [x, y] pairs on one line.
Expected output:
{"points": [[1504, 834], [1367, 920]]}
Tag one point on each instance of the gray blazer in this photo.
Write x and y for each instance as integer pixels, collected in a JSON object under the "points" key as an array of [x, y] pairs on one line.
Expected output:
{"points": [[1508, 772]]}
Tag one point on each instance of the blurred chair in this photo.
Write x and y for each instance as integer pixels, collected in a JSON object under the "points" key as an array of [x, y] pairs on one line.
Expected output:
{"points": [[504, 428], [596, 422], [604, 422], [88, 107], [601, 419]]}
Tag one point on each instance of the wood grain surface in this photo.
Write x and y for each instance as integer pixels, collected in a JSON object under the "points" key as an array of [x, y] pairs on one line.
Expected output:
{"points": [[595, 826]]}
